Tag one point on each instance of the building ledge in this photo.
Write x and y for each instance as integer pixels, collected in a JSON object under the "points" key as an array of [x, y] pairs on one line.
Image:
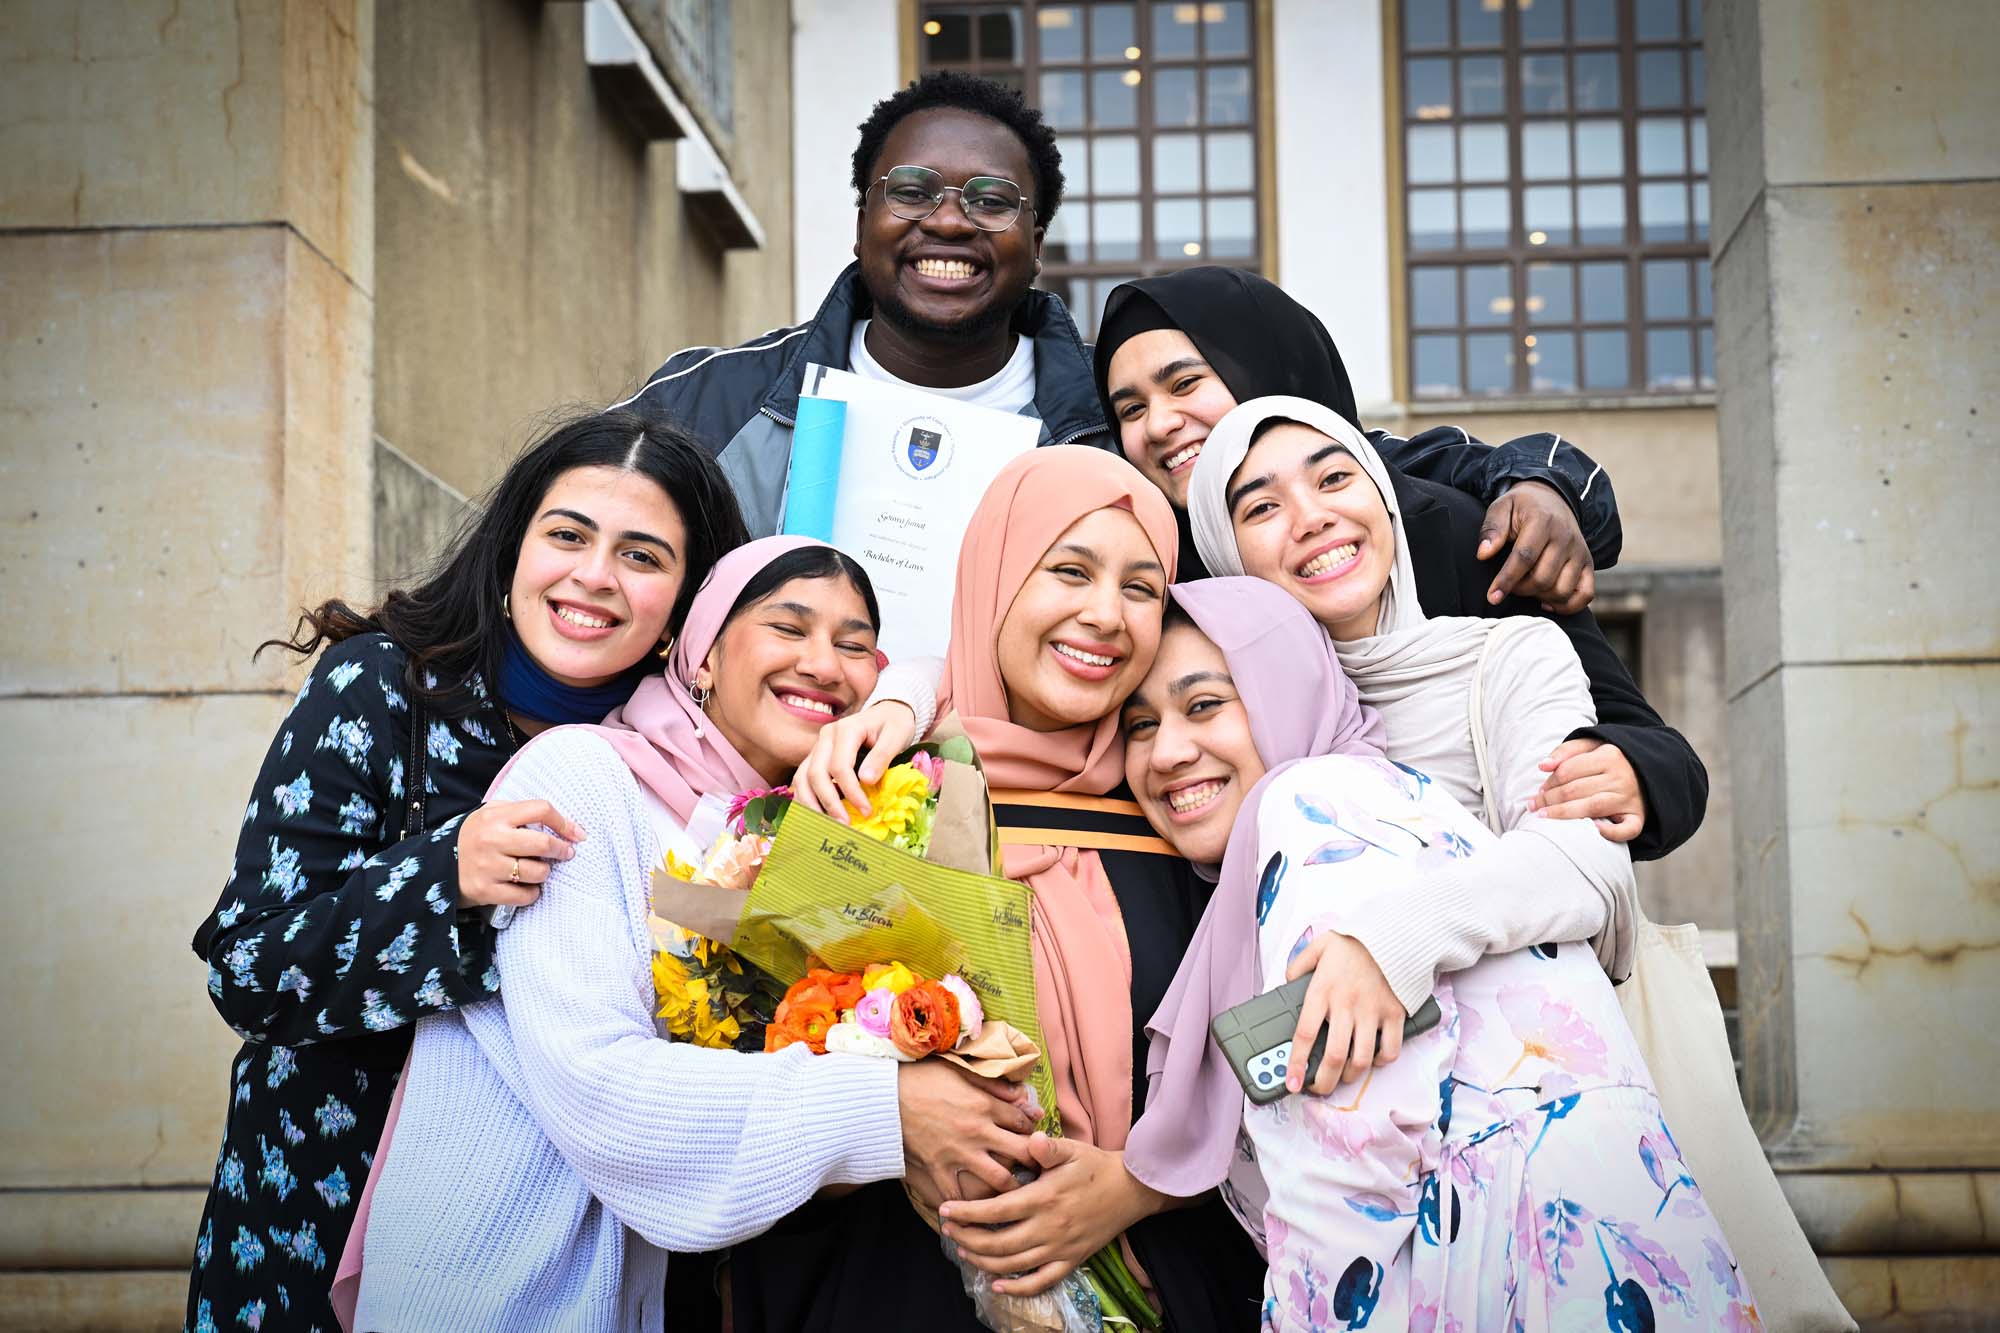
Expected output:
{"points": [[712, 195], [1549, 402], [625, 70]]}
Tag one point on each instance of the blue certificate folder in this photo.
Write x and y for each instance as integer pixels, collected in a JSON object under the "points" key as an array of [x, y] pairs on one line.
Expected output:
{"points": [[814, 481]]}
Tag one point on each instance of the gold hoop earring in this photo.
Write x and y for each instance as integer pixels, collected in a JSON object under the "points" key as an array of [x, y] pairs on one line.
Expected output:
{"points": [[506, 611], [666, 649]]}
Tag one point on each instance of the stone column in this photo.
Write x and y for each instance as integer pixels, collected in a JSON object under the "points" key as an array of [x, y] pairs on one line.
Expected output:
{"points": [[186, 245], [1857, 278]]}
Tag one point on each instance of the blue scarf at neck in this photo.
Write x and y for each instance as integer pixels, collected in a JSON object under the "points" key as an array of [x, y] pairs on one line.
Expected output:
{"points": [[532, 692]]}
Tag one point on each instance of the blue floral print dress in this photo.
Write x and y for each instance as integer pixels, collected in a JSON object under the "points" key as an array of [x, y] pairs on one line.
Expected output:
{"points": [[1511, 1170], [330, 940]]}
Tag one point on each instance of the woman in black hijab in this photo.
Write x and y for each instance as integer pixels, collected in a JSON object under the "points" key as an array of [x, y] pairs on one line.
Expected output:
{"points": [[1176, 352], [1256, 339], [1259, 340]]}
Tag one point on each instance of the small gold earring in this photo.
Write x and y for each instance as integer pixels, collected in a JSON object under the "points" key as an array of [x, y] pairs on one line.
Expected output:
{"points": [[666, 649], [506, 610]]}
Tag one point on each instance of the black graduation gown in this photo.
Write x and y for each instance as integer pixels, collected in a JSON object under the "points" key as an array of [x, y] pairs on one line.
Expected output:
{"points": [[827, 1267]]}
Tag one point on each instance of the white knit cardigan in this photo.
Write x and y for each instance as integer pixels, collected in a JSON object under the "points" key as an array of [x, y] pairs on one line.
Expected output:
{"points": [[552, 1148]]}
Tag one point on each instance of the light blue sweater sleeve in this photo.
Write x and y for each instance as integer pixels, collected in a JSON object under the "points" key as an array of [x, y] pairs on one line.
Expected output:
{"points": [[693, 1149]]}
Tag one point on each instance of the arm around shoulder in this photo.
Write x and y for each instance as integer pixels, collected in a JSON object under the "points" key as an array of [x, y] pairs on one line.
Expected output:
{"points": [[1544, 880], [1449, 456]]}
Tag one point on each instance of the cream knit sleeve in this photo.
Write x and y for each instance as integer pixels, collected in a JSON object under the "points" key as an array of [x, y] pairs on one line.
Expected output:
{"points": [[913, 683], [693, 1149], [1545, 880]]}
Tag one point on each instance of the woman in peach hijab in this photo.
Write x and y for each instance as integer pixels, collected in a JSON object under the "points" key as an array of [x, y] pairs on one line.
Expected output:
{"points": [[1062, 584]]}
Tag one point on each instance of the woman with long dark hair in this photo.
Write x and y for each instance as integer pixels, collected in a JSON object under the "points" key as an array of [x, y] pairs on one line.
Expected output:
{"points": [[351, 910]]}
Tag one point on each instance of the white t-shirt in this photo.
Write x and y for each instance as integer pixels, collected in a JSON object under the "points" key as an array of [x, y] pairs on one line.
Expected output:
{"points": [[1009, 389]]}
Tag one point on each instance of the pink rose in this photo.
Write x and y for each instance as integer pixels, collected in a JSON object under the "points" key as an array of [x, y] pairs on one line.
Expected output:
{"points": [[930, 766], [734, 862], [874, 1011]]}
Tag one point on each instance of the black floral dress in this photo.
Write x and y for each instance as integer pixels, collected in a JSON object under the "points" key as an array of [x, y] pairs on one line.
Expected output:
{"points": [[330, 940]]}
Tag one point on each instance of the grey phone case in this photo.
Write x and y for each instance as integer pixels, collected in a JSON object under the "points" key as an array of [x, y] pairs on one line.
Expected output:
{"points": [[1249, 1032]]}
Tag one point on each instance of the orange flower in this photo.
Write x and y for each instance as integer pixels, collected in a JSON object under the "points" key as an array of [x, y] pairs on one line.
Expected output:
{"points": [[925, 1020], [802, 1020], [809, 992], [844, 986]]}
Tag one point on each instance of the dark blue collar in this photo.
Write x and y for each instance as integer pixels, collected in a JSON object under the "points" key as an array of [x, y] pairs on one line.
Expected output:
{"points": [[532, 692]]}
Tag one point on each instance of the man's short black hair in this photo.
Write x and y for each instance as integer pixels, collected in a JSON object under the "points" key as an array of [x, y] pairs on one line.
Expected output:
{"points": [[981, 97]]}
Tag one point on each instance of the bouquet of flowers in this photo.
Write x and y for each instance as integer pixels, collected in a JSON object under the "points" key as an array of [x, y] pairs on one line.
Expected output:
{"points": [[888, 1011], [709, 994], [891, 935]]}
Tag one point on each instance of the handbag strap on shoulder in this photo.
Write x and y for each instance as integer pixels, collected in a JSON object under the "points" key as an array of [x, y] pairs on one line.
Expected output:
{"points": [[1476, 707], [415, 775]]}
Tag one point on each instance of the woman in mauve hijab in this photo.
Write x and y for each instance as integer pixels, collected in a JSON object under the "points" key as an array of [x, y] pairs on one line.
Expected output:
{"points": [[1510, 1167]]}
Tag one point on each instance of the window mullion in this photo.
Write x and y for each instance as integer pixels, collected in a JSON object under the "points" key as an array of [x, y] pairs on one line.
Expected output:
{"points": [[1517, 189]]}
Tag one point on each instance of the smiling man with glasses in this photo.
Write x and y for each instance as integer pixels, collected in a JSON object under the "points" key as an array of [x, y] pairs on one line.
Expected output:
{"points": [[955, 179]]}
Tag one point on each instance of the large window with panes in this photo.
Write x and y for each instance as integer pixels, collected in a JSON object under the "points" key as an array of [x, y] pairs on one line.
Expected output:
{"points": [[1154, 103], [1555, 187]]}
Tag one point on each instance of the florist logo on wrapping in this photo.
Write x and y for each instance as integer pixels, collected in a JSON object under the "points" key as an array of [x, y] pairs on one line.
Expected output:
{"points": [[922, 448]]}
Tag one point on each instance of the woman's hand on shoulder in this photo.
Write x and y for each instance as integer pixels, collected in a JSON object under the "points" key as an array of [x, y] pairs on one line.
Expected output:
{"points": [[1592, 779], [1038, 1234], [503, 858], [1351, 997], [851, 755], [1549, 560]]}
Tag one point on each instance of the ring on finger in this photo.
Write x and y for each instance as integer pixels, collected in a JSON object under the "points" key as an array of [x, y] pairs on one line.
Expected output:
{"points": [[514, 875]]}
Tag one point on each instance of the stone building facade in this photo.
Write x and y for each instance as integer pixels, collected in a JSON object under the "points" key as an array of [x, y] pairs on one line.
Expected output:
{"points": [[281, 281]]}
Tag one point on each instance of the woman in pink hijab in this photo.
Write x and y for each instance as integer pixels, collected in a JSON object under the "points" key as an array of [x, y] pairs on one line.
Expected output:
{"points": [[550, 1148]]}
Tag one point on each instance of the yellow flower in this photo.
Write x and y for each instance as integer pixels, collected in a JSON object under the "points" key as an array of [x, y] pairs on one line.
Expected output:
{"points": [[719, 1033], [897, 798], [669, 974], [678, 868], [671, 981], [892, 977]]}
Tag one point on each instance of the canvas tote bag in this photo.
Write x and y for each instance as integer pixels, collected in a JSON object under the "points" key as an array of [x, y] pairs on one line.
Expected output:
{"points": [[1671, 1005]]}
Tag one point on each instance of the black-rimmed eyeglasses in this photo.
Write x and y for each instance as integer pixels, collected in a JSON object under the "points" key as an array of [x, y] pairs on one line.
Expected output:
{"points": [[990, 203]]}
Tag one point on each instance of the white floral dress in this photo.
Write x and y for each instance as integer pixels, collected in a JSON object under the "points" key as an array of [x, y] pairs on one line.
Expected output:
{"points": [[1511, 1170]]}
